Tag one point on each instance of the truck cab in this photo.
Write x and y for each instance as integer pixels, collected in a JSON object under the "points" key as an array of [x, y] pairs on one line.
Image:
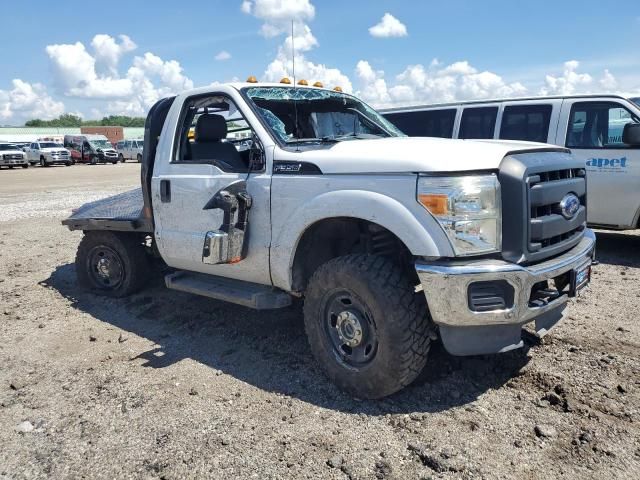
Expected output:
{"points": [[391, 241]]}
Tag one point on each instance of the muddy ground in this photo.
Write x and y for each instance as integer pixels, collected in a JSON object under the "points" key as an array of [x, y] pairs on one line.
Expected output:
{"points": [[167, 385]]}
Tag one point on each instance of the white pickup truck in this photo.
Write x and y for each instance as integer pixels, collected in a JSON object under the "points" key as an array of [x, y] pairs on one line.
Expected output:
{"points": [[391, 241], [48, 153]]}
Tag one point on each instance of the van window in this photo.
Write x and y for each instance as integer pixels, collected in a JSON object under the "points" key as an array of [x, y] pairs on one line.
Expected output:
{"points": [[596, 125], [526, 122], [478, 122], [427, 123]]}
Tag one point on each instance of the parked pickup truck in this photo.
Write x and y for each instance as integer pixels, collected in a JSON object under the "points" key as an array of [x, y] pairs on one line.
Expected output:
{"points": [[48, 153], [391, 241], [11, 156]]}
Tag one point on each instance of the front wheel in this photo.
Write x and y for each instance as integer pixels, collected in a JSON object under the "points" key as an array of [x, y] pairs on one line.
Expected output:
{"points": [[366, 325], [139, 158], [121, 158], [26, 165], [111, 264]]}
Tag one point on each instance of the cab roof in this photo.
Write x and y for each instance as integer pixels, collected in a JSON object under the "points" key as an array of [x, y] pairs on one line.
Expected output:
{"points": [[498, 100]]}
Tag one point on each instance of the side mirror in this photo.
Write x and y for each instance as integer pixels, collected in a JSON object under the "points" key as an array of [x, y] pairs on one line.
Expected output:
{"points": [[631, 134]]}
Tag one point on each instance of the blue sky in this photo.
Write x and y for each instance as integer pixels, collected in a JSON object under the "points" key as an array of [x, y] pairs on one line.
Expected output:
{"points": [[488, 48]]}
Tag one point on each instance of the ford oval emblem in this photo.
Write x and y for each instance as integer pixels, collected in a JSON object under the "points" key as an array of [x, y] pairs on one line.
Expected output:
{"points": [[569, 206]]}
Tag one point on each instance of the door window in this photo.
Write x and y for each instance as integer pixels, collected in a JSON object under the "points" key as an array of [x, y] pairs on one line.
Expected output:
{"points": [[596, 125], [427, 123], [526, 122], [212, 130], [478, 122]]}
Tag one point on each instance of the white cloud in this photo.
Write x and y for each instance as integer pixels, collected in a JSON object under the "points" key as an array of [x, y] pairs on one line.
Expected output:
{"points": [[26, 101], [608, 81], [222, 56], [569, 83], [108, 52], [389, 26], [79, 73], [277, 16], [432, 84], [374, 85]]}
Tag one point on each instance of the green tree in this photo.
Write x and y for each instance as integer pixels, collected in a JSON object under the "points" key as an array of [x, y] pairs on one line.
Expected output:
{"points": [[70, 120]]}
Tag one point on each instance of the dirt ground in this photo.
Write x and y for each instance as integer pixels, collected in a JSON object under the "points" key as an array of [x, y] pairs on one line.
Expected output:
{"points": [[167, 385]]}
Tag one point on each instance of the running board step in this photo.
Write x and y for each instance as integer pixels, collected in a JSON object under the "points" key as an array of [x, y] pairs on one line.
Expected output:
{"points": [[252, 295]]}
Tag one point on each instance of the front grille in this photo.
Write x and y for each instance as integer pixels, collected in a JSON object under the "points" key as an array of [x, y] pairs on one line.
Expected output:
{"points": [[549, 230], [533, 186]]}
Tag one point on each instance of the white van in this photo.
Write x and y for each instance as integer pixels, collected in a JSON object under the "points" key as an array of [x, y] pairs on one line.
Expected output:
{"points": [[592, 126], [130, 150]]}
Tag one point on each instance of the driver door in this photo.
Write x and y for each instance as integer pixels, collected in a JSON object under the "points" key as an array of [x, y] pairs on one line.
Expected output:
{"points": [[201, 165]]}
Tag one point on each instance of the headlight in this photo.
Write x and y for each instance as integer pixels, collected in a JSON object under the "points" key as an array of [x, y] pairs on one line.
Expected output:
{"points": [[468, 209]]}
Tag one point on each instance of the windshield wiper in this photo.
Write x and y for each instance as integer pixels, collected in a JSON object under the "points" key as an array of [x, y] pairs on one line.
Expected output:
{"points": [[311, 140], [357, 136]]}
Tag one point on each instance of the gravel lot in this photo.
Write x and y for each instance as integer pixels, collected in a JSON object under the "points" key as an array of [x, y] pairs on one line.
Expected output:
{"points": [[167, 385]]}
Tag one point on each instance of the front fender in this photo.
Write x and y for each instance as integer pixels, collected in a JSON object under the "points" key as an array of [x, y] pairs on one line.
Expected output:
{"points": [[408, 220]]}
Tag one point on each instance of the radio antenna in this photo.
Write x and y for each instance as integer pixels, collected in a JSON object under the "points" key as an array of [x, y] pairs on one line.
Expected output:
{"points": [[295, 96]]}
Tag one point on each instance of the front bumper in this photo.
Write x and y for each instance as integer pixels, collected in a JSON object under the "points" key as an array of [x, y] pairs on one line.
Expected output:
{"points": [[57, 158], [467, 332], [12, 162]]}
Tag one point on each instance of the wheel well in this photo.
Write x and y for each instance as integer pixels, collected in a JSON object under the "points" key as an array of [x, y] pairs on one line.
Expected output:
{"points": [[335, 237]]}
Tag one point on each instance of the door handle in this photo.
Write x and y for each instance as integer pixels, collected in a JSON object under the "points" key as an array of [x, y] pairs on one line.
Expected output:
{"points": [[165, 191]]}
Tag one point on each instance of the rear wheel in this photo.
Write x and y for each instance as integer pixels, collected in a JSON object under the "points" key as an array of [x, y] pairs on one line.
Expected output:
{"points": [[366, 325], [111, 264]]}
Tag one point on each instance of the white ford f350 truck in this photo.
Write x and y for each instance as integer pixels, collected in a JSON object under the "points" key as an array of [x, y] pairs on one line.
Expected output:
{"points": [[391, 241]]}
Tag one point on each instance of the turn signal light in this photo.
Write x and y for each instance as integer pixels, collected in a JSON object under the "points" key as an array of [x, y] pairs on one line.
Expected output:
{"points": [[437, 204], [252, 79], [285, 80]]}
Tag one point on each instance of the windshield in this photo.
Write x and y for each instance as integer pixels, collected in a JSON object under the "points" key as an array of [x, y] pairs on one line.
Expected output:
{"points": [[8, 147], [317, 115], [100, 144], [636, 101], [50, 145]]}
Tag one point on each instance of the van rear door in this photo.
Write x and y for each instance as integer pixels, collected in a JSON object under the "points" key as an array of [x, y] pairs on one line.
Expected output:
{"points": [[592, 129]]}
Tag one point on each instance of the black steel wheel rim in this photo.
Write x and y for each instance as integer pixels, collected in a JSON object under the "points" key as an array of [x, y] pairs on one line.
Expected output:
{"points": [[105, 267], [350, 329]]}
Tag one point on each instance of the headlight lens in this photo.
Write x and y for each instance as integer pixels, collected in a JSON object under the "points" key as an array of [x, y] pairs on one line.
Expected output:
{"points": [[468, 209]]}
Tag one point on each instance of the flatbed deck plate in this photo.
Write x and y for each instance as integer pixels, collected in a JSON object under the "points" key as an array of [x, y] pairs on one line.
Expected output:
{"points": [[119, 212]]}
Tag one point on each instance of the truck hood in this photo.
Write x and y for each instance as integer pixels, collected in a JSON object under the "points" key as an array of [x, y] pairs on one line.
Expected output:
{"points": [[11, 152], [53, 149], [408, 154]]}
